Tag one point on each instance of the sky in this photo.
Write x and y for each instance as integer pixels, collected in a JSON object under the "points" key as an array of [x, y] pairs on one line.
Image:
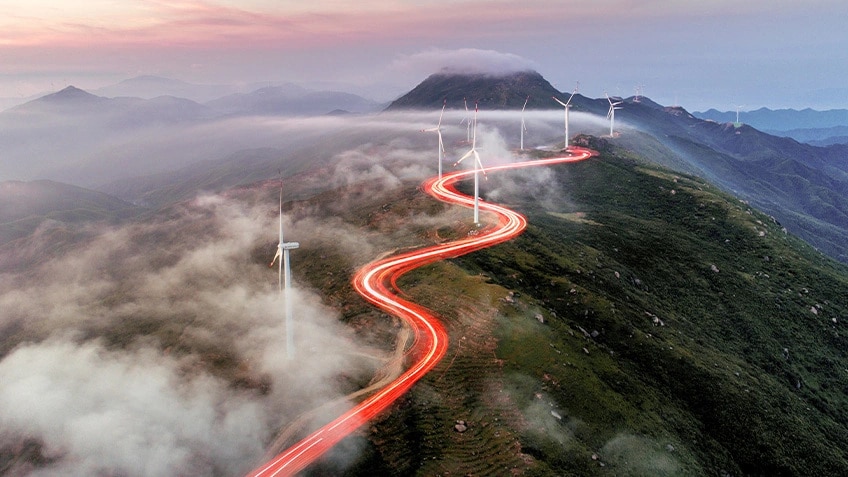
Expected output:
{"points": [[722, 53]]}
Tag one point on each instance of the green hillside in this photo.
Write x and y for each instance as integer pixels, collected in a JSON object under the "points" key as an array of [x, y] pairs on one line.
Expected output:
{"points": [[645, 324]]}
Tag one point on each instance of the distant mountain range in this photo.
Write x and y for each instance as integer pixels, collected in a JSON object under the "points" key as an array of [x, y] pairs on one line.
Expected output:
{"points": [[278, 100], [149, 87], [120, 112], [79, 137], [781, 119], [820, 128], [292, 100]]}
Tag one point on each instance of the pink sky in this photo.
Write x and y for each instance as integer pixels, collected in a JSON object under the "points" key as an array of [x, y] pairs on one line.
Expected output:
{"points": [[720, 52]]}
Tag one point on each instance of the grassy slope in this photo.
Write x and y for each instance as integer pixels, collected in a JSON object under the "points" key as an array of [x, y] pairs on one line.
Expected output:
{"points": [[650, 362]]}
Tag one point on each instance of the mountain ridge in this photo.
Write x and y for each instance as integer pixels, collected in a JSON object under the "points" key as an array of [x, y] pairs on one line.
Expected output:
{"points": [[783, 120], [804, 186]]}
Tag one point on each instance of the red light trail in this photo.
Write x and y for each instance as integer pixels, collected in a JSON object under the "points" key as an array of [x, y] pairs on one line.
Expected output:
{"points": [[377, 283]]}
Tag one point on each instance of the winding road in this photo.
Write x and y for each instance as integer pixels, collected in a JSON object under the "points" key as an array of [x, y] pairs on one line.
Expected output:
{"points": [[377, 283]]}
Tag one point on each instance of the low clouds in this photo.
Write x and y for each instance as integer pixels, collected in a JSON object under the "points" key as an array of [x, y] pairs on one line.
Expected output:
{"points": [[128, 413], [465, 60], [156, 348]]}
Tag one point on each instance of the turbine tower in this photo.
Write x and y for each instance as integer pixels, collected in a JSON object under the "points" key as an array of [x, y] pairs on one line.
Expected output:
{"points": [[738, 107], [438, 130], [567, 106], [611, 113], [467, 121], [285, 277], [523, 126], [478, 167]]}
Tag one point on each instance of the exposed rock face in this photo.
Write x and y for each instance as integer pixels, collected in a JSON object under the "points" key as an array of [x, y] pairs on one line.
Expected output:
{"points": [[460, 427]]}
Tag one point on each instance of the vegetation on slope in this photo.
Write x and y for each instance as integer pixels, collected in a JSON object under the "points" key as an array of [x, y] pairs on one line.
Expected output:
{"points": [[650, 325]]}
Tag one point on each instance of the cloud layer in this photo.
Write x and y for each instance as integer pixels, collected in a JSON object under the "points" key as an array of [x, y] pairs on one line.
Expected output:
{"points": [[157, 348], [464, 60]]}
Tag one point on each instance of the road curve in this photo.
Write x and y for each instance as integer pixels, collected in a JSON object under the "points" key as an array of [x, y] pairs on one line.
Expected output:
{"points": [[377, 283]]}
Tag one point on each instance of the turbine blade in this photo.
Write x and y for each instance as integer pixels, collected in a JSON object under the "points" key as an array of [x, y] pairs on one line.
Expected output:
{"points": [[525, 104], [467, 154], [474, 137], [444, 104], [480, 165], [271, 265], [560, 102]]}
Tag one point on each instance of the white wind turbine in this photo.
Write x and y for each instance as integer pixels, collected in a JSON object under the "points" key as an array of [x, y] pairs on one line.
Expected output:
{"points": [[523, 126], [438, 130], [478, 167], [738, 107], [638, 93], [285, 278], [567, 106], [611, 113], [467, 121]]}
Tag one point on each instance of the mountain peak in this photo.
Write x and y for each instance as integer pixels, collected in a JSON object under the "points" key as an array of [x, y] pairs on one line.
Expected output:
{"points": [[491, 90], [71, 93]]}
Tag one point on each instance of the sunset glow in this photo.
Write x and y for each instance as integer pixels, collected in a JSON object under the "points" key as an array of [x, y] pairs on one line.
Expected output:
{"points": [[672, 47]]}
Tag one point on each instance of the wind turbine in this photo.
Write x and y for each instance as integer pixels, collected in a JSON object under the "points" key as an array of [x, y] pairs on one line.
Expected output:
{"points": [[285, 277], [523, 126], [478, 167], [567, 106], [638, 93], [467, 121], [738, 107], [438, 130], [611, 113]]}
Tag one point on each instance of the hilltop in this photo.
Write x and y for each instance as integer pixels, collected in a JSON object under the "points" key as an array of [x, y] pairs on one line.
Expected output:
{"points": [[505, 91]]}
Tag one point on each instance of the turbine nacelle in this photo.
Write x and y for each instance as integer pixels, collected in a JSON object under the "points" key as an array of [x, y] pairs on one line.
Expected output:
{"points": [[564, 105], [613, 107]]}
